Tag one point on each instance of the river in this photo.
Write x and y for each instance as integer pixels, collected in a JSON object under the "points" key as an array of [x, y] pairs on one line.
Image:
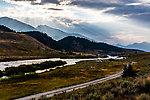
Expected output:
{"points": [[4, 65]]}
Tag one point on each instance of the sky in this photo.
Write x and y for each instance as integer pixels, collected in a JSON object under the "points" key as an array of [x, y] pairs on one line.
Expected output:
{"points": [[111, 21]]}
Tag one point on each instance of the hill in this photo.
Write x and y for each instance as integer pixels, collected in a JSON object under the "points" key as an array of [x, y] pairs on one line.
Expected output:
{"points": [[6, 29], [45, 39], [77, 44], [16, 25], [18, 44]]}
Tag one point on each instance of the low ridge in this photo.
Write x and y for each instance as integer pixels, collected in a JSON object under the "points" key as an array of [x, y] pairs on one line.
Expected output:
{"points": [[19, 44]]}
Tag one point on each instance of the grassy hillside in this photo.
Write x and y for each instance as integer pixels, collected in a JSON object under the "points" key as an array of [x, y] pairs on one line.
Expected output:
{"points": [[45, 39], [14, 44]]}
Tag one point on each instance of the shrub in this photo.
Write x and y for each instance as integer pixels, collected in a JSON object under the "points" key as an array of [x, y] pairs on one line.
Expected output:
{"points": [[32, 68], [109, 96], [144, 97], [20, 77], [1, 73], [93, 96], [128, 71], [144, 86]]}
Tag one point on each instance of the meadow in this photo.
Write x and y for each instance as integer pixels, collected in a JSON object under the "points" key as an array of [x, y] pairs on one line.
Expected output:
{"points": [[123, 88], [19, 86]]}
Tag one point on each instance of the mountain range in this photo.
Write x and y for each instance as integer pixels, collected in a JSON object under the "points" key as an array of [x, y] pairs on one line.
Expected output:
{"points": [[56, 33], [64, 42], [19, 26], [16, 25], [77, 44], [145, 46]]}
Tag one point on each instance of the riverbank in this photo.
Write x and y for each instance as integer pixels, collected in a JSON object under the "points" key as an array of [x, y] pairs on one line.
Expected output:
{"points": [[66, 76], [63, 56], [23, 69]]}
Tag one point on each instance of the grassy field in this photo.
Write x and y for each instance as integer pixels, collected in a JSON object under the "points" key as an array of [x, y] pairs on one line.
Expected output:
{"points": [[130, 88], [81, 72]]}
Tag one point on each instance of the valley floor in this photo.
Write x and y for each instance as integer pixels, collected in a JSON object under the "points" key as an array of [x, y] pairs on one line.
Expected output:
{"points": [[129, 88], [84, 71], [136, 87]]}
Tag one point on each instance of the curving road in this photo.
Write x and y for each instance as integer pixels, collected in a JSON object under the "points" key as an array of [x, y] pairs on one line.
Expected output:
{"points": [[70, 88]]}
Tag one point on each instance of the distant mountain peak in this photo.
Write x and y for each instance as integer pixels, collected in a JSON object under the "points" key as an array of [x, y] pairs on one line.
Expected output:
{"points": [[56, 33], [16, 25], [141, 46]]}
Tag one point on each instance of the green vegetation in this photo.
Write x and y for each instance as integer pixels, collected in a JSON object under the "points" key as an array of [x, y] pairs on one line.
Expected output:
{"points": [[123, 88], [128, 71], [118, 89], [69, 75], [77, 44], [1, 73], [144, 97], [31, 68], [20, 77]]}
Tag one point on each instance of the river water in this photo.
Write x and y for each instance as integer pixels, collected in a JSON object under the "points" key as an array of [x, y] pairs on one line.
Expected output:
{"points": [[4, 65]]}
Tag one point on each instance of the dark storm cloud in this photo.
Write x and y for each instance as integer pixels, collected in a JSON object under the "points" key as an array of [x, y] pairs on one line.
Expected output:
{"points": [[50, 1], [143, 17], [100, 4], [139, 12], [96, 5], [57, 9]]}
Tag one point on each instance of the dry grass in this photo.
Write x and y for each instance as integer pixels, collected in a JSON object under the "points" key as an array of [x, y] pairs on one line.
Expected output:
{"points": [[75, 74]]}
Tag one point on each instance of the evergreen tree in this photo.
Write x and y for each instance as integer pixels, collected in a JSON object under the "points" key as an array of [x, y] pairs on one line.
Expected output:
{"points": [[1, 73], [128, 71]]}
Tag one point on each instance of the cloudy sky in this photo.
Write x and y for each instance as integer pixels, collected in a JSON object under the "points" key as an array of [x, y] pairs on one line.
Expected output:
{"points": [[111, 21]]}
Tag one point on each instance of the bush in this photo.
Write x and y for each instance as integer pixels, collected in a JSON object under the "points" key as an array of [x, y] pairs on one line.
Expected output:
{"points": [[20, 77], [1, 73], [144, 86], [109, 96], [32, 68], [144, 97], [128, 71], [93, 96]]}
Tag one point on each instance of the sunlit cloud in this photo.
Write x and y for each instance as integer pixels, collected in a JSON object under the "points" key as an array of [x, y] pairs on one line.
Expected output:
{"points": [[110, 21]]}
